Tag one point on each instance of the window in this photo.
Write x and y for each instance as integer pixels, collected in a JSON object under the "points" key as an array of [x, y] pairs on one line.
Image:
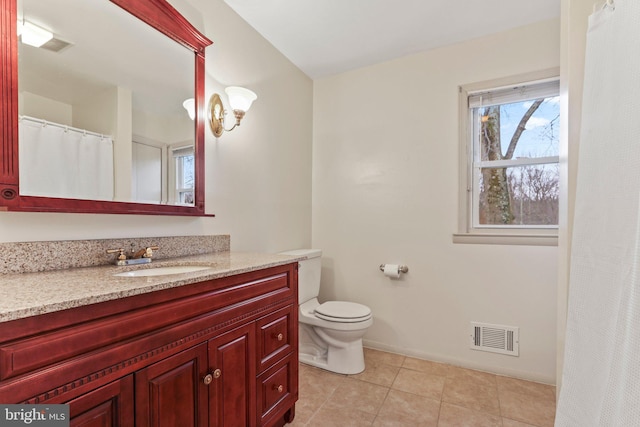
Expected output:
{"points": [[185, 175], [511, 172]]}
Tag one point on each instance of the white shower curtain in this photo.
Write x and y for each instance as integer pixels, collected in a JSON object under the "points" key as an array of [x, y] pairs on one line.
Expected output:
{"points": [[601, 376], [56, 161]]}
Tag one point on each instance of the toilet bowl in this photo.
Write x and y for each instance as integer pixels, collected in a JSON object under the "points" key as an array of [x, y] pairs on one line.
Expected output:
{"points": [[330, 333]]}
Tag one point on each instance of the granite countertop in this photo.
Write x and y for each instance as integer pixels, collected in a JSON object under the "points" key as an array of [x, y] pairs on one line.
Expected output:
{"points": [[29, 294]]}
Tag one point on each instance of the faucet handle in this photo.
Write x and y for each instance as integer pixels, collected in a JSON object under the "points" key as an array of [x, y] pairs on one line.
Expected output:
{"points": [[121, 255], [148, 253]]}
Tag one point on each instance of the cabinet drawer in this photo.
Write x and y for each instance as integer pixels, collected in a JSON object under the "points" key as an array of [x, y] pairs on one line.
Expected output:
{"points": [[275, 336], [277, 390]]}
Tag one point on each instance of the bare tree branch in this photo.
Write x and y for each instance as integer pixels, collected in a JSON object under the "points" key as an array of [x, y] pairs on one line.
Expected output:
{"points": [[521, 127]]}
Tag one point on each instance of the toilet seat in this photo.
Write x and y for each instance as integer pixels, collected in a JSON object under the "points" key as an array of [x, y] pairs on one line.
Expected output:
{"points": [[343, 312]]}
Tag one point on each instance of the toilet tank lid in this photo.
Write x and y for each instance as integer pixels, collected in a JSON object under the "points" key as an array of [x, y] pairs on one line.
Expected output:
{"points": [[309, 253]]}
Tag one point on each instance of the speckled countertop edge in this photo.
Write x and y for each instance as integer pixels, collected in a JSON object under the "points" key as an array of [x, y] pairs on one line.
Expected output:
{"points": [[29, 294]]}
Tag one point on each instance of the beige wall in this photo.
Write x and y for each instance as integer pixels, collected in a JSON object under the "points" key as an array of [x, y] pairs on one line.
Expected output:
{"points": [[385, 190], [258, 177]]}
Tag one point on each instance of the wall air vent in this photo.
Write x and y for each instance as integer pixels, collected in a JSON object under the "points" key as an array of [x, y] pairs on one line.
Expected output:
{"points": [[495, 338]]}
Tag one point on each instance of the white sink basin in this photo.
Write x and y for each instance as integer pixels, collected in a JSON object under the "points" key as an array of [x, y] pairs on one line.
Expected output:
{"points": [[162, 271]]}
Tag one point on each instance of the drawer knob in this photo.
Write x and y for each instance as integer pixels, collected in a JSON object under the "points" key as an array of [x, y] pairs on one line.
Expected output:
{"points": [[207, 379], [279, 337], [279, 388], [217, 373]]}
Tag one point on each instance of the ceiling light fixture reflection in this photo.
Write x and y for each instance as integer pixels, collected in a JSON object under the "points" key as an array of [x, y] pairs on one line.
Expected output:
{"points": [[33, 35]]}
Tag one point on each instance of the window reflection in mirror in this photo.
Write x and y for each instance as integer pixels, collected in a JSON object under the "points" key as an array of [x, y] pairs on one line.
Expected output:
{"points": [[184, 172], [101, 106]]}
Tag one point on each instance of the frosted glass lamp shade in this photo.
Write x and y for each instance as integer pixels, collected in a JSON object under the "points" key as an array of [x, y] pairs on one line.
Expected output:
{"points": [[190, 106], [240, 98]]}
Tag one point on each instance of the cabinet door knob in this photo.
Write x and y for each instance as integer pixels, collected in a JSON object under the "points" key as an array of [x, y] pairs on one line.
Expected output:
{"points": [[279, 337], [217, 373], [279, 388], [207, 379]]}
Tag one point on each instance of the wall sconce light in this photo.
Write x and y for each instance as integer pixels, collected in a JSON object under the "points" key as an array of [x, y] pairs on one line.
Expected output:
{"points": [[190, 106], [240, 100], [33, 35]]}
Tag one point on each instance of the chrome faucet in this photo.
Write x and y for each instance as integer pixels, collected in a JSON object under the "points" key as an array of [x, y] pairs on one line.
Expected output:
{"points": [[142, 256]]}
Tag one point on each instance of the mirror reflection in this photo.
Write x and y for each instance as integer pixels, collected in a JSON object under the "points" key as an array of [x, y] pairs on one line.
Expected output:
{"points": [[101, 105]]}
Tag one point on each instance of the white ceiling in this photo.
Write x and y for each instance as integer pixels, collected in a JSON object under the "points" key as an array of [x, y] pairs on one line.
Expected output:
{"points": [[324, 37]]}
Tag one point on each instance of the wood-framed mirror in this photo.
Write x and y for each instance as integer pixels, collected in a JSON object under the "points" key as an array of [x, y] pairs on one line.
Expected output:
{"points": [[127, 113]]}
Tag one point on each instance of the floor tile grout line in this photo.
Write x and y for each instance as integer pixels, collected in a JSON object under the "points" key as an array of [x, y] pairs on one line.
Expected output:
{"points": [[386, 396], [499, 400]]}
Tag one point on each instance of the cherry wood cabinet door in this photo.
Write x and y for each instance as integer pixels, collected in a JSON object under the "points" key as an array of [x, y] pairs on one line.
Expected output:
{"points": [[174, 391], [232, 363], [108, 406]]}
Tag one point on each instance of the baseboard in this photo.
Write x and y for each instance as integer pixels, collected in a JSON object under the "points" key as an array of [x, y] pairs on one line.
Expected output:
{"points": [[524, 375]]}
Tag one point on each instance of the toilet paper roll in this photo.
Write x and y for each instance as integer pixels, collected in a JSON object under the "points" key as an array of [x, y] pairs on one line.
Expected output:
{"points": [[392, 270]]}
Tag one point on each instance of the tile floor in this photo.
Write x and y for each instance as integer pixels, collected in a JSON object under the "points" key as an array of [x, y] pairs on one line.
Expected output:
{"points": [[401, 391]]}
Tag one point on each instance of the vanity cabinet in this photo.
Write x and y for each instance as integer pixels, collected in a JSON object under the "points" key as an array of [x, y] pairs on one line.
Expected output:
{"points": [[109, 405], [170, 391], [234, 377], [220, 352]]}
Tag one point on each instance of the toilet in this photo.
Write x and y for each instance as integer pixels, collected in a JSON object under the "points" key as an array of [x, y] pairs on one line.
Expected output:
{"points": [[330, 333]]}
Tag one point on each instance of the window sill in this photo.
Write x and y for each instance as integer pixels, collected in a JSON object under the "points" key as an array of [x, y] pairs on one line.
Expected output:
{"points": [[506, 239]]}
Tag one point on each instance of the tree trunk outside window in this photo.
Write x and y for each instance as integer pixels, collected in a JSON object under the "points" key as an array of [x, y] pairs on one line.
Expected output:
{"points": [[496, 198]]}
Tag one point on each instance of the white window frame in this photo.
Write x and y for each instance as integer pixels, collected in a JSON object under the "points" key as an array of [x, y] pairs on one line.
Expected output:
{"points": [[175, 173], [468, 229]]}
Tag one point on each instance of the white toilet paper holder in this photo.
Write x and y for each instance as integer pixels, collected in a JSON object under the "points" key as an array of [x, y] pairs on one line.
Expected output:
{"points": [[401, 268]]}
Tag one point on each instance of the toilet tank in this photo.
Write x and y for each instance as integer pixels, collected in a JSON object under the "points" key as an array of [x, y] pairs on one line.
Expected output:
{"points": [[308, 273]]}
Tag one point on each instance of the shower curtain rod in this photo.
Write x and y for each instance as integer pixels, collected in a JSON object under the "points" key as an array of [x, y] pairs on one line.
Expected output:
{"points": [[65, 127], [602, 4]]}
